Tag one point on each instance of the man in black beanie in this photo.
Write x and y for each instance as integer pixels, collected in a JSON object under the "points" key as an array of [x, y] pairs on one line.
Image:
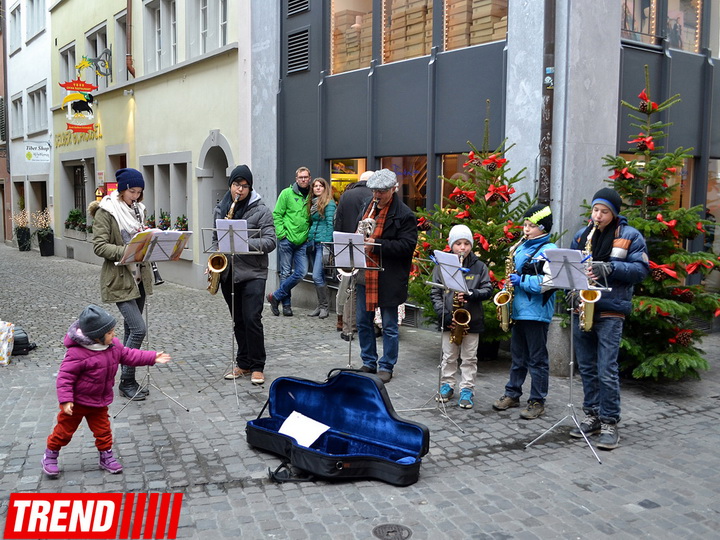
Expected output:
{"points": [[243, 280], [619, 261]]}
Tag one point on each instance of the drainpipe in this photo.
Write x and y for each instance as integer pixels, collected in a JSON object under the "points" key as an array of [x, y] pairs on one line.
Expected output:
{"points": [[548, 85], [128, 40]]}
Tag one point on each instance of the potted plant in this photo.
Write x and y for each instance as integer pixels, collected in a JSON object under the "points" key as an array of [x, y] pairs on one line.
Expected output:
{"points": [[164, 221], [21, 228], [75, 222], [42, 221], [181, 223]]}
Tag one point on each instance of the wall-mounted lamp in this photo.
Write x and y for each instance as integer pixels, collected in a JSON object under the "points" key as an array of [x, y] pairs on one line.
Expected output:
{"points": [[130, 92]]}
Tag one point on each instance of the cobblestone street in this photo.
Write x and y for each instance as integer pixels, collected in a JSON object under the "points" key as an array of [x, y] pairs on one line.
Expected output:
{"points": [[477, 482]]}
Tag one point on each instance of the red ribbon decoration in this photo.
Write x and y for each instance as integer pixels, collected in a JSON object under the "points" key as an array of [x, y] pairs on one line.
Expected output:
{"points": [[700, 227], [642, 139], [690, 268], [667, 268], [622, 172], [503, 191], [643, 95], [482, 241], [494, 159], [463, 214], [670, 225], [469, 194]]}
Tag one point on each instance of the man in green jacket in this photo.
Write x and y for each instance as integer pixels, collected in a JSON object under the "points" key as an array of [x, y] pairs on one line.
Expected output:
{"points": [[292, 224]]}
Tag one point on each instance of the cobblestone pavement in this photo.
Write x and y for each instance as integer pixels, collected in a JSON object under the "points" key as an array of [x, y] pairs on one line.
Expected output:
{"points": [[478, 480]]}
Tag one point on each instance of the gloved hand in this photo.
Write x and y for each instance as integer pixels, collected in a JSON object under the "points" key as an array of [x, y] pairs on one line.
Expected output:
{"points": [[447, 321], [602, 269], [515, 279]]}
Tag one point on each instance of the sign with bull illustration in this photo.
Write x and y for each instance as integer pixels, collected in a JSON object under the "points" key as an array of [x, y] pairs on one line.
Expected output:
{"points": [[79, 100]]}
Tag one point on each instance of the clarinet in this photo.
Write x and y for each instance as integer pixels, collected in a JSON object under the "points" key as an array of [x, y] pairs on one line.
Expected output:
{"points": [[153, 265]]}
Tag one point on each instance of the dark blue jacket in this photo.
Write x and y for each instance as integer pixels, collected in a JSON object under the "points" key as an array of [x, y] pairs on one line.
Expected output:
{"points": [[630, 264]]}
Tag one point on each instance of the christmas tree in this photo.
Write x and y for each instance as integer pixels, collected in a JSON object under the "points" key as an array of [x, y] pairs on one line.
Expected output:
{"points": [[485, 200], [661, 336]]}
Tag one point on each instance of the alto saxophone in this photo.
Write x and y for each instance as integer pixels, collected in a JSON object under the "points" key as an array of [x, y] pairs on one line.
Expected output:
{"points": [[588, 298], [503, 299], [217, 263], [157, 279], [461, 317], [367, 226]]}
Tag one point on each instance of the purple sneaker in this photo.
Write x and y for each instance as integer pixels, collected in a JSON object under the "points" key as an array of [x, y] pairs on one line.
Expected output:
{"points": [[109, 463], [50, 464]]}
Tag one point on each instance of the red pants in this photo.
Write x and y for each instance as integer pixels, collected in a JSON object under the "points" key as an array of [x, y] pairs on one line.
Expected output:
{"points": [[98, 420]]}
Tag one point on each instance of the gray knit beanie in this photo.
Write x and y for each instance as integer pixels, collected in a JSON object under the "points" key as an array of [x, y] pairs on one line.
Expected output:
{"points": [[95, 322]]}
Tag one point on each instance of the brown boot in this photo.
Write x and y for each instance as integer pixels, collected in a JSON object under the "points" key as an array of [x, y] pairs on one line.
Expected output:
{"points": [[339, 323]]}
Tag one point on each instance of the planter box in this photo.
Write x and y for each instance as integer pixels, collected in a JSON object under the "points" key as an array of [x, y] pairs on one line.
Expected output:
{"points": [[77, 235]]}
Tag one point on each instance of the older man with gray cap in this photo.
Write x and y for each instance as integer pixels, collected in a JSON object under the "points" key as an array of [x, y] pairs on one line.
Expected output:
{"points": [[395, 234]]}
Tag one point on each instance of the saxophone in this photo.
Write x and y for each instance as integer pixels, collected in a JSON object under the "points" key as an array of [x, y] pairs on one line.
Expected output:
{"points": [[588, 298], [217, 263], [158, 280], [461, 317], [367, 226], [503, 299]]}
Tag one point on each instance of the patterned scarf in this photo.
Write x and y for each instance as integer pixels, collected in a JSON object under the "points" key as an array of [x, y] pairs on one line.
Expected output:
{"points": [[372, 277]]}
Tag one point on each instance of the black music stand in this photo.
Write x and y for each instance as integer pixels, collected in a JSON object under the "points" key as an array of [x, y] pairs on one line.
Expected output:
{"points": [[351, 250], [451, 279], [232, 238], [154, 246], [568, 271]]}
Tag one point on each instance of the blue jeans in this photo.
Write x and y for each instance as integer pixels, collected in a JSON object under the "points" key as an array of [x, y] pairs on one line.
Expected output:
{"points": [[528, 347], [293, 265], [366, 334], [596, 352], [318, 272]]}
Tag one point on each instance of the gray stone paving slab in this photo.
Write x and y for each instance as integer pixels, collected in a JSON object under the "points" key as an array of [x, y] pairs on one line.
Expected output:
{"points": [[662, 482]]}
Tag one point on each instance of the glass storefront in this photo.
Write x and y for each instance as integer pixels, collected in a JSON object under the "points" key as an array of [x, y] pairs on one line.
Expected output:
{"points": [[712, 213], [344, 172], [683, 24], [639, 20], [407, 27], [412, 178]]}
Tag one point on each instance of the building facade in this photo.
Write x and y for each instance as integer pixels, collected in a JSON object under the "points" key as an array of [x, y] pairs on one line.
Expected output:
{"points": [[29, 144], [405, 84], [172, 83]]}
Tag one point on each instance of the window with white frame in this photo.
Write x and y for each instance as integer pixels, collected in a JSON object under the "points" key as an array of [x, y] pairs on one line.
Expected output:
{"points": [[160, 34], [17, 128], [15, 29], [37, 108], [67, 63], [207, 26], [95, 44], [35, 17]]}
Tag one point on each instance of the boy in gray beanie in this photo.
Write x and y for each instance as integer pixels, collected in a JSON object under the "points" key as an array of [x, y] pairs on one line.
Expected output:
{"points": [[85, 381]]}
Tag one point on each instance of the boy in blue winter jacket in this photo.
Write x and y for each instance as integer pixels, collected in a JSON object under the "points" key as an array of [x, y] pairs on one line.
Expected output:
{"points": [[532, 311]]}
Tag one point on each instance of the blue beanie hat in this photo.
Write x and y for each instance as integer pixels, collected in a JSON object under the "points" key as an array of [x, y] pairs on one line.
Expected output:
{"points": [[610, 198], [129, 178], [95, 322]]}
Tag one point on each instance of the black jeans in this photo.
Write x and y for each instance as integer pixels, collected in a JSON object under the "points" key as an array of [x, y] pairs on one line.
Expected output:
{"points": [[248, 301]]}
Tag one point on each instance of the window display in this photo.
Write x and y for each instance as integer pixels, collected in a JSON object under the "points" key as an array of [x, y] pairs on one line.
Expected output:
{"points": [[411, 173], [472, 22], [351, 35]]}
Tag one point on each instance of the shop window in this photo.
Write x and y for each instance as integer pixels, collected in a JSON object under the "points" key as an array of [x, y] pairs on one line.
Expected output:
{"points": [[411, 172], [639, 20], [683, 24], [407, 28], [351, 35], [344, 172], [452, 168], [469, 22]]}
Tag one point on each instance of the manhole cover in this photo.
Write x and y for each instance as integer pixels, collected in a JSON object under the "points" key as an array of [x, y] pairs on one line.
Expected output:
{"points": [[391, 531]]}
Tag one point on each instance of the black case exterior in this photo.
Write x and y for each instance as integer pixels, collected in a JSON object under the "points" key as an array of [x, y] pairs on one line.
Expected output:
{"points": [[366, 438], [21, 343]]}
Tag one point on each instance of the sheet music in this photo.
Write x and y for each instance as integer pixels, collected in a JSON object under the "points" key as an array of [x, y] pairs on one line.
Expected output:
{"points": [[303, 429], [153, 245], [567, 267], [232, 235], [341, 242], [451, 270]]}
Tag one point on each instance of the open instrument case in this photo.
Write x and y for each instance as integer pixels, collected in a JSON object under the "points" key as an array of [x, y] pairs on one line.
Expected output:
{"points": [[365, 439]]}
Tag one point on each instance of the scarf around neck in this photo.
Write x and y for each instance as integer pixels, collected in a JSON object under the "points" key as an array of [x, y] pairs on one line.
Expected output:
{"points": [[124, 215]]}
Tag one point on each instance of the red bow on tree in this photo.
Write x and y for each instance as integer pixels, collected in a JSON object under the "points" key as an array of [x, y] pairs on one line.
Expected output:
{"points": [[667, 268], [700, 227], [502, 191], [650, 105], [463, 214], [657, 309], [494, 160], [643, 142], [508, 230], [670, 225], [472, 160], [690, 268], [622, 172], [457, 192], [482, 241]]}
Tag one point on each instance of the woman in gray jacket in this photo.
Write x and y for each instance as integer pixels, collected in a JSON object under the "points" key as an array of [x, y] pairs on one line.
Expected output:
{"points": [[116, 219]]}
